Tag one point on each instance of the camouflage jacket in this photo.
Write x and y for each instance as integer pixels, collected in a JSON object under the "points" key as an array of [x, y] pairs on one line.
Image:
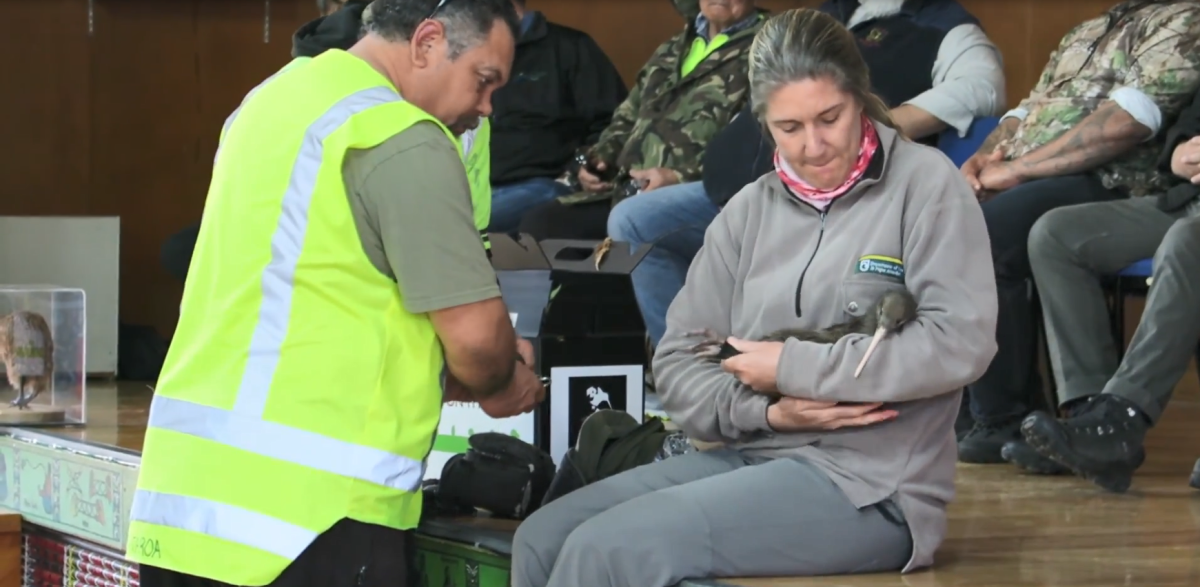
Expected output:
{"points": [[668, 119], [1155, 49]]}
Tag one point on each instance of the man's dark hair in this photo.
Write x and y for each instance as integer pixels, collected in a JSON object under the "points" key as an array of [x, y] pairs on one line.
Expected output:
{"points": [[467, 22]]}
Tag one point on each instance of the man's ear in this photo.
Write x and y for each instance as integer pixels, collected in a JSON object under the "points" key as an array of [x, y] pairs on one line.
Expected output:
{"points": [[425, 41]]}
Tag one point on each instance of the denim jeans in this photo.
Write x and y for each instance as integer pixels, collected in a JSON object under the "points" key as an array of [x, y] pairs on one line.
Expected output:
{"points": [[512, 200], [674, 219]]}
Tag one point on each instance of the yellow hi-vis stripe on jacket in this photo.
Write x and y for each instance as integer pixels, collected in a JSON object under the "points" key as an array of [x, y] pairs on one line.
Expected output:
{"points": [[297, 390]]}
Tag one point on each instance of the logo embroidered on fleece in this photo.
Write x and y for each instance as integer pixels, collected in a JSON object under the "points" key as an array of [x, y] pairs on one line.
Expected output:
{"points": [[881, 265]]}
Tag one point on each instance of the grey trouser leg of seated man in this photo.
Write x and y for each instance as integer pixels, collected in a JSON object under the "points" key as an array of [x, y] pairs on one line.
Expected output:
{"points": [[1070, 249], [706, 514]]}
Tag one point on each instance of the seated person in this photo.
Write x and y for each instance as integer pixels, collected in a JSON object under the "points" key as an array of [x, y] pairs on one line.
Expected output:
{"points": [[327, 7], [1071, 250], [1088, 132], [818, 475], [560, 96], [688, 90], [898, 41]]}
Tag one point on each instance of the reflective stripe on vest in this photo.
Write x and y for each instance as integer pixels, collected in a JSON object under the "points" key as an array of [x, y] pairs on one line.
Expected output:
{"points": [[221, 520], [243, 426]]}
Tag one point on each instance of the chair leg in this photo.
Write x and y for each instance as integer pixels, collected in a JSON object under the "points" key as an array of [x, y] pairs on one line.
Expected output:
{"points": [[1197, 361], [1119, 317], [1050, 390]]}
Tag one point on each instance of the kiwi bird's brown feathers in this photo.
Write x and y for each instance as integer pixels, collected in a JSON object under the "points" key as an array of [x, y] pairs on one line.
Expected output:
{"points": [[892, 310], [8, 351]]}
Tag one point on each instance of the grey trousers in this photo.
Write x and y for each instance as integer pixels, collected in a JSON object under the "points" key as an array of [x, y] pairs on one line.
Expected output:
{"points": [[1070, 249], [706, 514]]}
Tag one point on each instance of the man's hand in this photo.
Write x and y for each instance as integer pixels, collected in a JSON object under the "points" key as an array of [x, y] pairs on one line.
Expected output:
{"points": [[998, 177], [455, 391], [791, 414], [1185, 160], [652, 179], [592, 183], [521, 397], [756, 366], [976, 164], [525, 349]]}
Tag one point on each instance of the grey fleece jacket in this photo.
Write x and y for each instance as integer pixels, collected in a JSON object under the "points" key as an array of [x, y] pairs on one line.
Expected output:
{"points": [[770, 261]]}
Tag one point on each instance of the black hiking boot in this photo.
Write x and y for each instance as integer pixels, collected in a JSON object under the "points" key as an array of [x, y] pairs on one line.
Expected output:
{"points": [[1019, 453], [1102, 442], [983, 443]]}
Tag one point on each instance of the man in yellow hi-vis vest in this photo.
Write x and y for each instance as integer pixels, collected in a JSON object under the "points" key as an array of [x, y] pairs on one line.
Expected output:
{"points": [[338, 294]]}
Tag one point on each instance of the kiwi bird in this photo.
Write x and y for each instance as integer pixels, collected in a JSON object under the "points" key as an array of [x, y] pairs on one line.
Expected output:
{"points": [[888, 314], [27, 351]]}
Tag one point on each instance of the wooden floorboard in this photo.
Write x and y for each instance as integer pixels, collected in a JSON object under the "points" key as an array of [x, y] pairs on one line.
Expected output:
{"points": [[1006, 528]]}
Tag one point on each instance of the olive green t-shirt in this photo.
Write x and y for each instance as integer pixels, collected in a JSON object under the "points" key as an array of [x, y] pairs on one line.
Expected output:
{"points": [[412, 208]]}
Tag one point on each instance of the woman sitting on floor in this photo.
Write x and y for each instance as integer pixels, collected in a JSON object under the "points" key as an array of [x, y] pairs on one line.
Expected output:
{"points": [[821, 472]]}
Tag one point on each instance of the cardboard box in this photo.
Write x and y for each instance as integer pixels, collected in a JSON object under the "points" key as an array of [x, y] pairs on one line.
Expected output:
{"points": [[587, 333]]}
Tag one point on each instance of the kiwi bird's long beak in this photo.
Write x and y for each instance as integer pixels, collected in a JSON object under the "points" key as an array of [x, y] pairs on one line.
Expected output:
{"points": [[879, 334]]}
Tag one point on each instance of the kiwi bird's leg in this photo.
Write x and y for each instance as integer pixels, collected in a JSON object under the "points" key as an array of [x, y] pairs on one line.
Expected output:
{"points": [[20, 401], [879, 334], [35, 388]]}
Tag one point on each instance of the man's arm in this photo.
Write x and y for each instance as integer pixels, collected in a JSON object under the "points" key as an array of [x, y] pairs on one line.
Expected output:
{"points": [[597, 87], [968, 83], [1162, 73], [948, 269], [1005, 130], [1102, 136], [706, 402], [420, 201], [613, 139], [1010, 121]]}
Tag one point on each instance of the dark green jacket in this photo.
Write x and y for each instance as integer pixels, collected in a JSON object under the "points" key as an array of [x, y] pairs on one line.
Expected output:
{"points": [[668, 119]]}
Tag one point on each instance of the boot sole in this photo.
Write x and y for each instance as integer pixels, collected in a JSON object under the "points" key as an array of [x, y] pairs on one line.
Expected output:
{"points": [[1048, 469], [1050, 444]]}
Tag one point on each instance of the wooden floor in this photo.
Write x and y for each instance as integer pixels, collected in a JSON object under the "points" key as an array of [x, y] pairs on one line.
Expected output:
{"points": [[1006, 528]]}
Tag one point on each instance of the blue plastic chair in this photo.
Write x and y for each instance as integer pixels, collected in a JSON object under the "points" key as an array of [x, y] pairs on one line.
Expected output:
{"points": [[1129, 280], [959, 149]]}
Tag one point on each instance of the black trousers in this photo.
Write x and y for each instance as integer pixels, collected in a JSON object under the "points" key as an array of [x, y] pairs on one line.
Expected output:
{"points": [[553, 220], [1012, 387], [350, 554]]}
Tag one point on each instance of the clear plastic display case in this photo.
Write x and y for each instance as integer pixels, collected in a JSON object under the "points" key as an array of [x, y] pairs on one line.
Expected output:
{"points": [[42, 354]]}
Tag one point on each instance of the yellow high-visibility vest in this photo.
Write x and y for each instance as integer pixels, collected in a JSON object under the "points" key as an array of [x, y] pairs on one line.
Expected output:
{"points": [[297, 390]]}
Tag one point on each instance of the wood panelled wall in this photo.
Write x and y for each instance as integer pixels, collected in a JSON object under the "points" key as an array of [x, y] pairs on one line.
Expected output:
{"points": [[113, 107]]}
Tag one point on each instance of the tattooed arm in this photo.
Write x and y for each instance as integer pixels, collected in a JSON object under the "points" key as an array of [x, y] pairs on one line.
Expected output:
{"points": [[1003, 131], [1102, 136]]}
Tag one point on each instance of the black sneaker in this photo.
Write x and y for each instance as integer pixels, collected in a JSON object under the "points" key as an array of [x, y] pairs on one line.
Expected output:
{"points": [[1196, 476], [1102, 443], [983, 444], [1019, 453]]}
